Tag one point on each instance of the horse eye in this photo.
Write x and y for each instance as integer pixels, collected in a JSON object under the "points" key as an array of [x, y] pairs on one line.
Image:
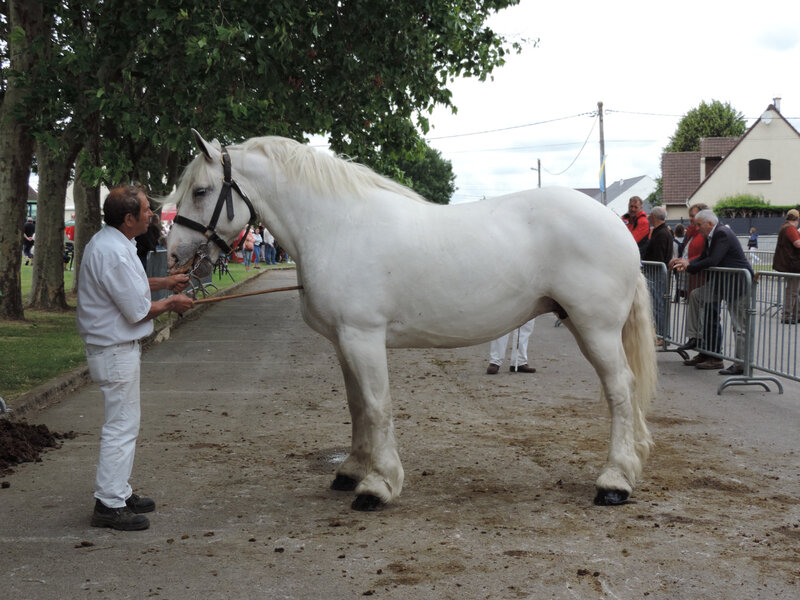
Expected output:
{"points": [[199, 192]]}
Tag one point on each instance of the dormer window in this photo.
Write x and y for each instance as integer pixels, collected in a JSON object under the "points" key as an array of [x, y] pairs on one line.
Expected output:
{"points": [[760, 170]]}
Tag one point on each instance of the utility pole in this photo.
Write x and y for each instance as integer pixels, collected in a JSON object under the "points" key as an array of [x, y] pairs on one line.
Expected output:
{"points": [[602, 156], [538, 169]]}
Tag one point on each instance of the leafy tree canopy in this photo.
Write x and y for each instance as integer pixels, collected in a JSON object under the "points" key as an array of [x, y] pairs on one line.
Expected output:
{"points": [[707, 120], [430, 175], [365, 73]]}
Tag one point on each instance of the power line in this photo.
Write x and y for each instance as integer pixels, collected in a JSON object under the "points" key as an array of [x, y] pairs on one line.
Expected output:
{"points": [[446, 137], [584, 114], [645, 114], [577, 155]]}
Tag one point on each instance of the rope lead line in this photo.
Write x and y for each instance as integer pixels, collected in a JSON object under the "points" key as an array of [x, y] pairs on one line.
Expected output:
{"points": [[269, 291]]}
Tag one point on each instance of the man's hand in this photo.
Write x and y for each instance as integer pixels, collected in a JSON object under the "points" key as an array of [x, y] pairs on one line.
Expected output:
{"points": [[177, 283], [180, 303], [678, 264]]}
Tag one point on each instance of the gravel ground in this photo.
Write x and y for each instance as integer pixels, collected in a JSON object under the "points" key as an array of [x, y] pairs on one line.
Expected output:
{"points": [[244, 421]]}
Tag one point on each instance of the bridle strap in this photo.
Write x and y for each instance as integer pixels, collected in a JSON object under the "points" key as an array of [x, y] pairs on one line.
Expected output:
{"points": [[225, 198]]}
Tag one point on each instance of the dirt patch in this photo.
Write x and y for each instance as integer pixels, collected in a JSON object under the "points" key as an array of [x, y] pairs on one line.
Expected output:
{"points": [[21, 442]]}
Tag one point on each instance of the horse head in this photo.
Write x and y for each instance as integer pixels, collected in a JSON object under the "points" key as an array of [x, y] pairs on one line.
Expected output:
{"points": [[212, 210]]}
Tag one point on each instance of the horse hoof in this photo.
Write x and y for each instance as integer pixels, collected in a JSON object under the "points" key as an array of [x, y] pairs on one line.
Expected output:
{"points": [[343, 483], [366, 503], [610, 497]]}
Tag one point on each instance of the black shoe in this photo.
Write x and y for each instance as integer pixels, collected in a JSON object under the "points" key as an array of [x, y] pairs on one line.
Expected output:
{"points": [[690, 345], [522, 369], [140, 505], [492, 369], [122, 519], [734, 369]]}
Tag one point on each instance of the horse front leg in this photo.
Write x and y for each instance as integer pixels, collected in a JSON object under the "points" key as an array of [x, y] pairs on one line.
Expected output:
{"points": [[373, 468]]}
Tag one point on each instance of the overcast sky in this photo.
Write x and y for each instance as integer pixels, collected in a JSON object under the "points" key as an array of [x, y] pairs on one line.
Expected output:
{"points": [[649, 63]]}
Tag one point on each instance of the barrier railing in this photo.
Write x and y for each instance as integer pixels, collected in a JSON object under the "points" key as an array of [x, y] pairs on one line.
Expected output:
{"points": [[760, 259], [756, 330], [157, 267], [776, 334]]}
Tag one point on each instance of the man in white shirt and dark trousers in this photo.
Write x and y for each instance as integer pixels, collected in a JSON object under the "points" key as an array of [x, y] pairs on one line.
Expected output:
{"points": [[114, 312]]}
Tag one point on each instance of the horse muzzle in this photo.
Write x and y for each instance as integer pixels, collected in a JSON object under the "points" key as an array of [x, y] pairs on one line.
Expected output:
{"points": [[198, 265]]}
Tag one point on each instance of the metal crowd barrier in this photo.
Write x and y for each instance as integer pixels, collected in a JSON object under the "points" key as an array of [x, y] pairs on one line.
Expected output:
{"points": [[157, 267], [760, 259], [776, 343], [752, 323]]}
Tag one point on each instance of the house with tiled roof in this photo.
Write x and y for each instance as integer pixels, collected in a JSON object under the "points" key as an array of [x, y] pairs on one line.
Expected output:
{"points": [[763, 162]]}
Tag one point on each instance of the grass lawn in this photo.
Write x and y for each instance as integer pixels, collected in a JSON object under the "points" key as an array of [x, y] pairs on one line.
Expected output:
{"points": [[46, 344]]}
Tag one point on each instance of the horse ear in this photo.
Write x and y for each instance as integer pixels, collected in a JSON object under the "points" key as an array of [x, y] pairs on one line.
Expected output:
{"points": [[202, 145]]}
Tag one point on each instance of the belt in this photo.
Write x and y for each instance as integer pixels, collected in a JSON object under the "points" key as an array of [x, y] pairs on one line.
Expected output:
{"points": [[95, 349]]}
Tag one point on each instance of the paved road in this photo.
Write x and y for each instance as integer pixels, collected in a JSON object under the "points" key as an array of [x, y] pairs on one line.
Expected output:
{"points": [[244, 419]]}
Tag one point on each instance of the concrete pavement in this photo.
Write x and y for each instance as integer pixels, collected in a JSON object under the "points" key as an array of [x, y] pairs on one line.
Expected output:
{"points": [[243, 422]]}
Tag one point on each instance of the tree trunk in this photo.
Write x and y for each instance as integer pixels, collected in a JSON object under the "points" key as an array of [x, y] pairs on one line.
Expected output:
{"points": [[87, 209], [16, 151], [47, 287]]}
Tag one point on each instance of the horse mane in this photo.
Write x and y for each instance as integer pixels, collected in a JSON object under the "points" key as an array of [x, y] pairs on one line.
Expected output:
{"points": [[325, 173]]}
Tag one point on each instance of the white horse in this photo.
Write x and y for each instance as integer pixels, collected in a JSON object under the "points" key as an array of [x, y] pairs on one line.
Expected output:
{"points": [[381, 267]]}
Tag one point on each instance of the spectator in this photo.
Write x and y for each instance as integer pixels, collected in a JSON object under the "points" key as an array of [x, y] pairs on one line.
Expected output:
{"points": [[247, 249], [752, 246], [519, 352], [787, 260], [723, 250], [150, 240], [693, 247], [269, 246], [678, 243], [659, 249], [678, 239], [636, 221], [659, 245], [257, 240], [114, 312], [28, 234]]}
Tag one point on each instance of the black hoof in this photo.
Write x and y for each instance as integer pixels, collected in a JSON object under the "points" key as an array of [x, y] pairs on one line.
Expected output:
{"points": [[610, 497], [343, 483], [366, 503]]}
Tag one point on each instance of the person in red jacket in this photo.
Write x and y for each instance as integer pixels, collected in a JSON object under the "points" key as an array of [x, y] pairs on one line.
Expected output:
{"points": [[636, 221]]}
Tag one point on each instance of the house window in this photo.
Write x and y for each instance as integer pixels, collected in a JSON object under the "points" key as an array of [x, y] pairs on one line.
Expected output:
{"points": [[760, 170]]}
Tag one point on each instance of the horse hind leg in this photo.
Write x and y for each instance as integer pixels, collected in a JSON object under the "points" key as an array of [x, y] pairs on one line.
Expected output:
{"points": [[629, 438], [372, 469]]}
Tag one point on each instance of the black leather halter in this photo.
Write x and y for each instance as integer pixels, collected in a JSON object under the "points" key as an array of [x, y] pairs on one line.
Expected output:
{"points": [[226, 198]]}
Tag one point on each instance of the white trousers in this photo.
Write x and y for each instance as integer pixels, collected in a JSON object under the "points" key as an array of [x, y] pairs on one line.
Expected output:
{"points": [[116, 369], [519, 348]]}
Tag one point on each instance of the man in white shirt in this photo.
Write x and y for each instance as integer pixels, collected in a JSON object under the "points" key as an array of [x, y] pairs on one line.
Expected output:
{"points": [[114, 311]]}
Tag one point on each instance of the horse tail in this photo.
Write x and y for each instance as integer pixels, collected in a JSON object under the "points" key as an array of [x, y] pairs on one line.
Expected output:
{"points": [[637, 340]]}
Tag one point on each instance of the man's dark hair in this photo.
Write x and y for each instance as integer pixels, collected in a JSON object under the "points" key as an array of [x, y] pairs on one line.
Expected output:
{"points": [[122, 200]]}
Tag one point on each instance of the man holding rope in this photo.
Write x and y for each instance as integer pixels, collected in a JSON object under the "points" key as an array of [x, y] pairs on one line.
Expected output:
{"points": [[114, 312]]}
